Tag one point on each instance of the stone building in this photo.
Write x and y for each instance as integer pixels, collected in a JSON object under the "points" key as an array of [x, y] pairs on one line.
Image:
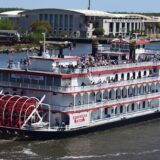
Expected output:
{"points": [[80, 23]]}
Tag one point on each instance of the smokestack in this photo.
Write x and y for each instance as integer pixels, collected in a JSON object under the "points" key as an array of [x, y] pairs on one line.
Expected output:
{"points": [[89, 5]]}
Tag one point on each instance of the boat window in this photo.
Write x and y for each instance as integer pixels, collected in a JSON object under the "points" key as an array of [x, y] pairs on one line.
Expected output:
{"points": [[26, 80], [34, 81], [132, 107], [154, 70], [117, 47], [121, 109], [128, 76], [20, 80], [144, 104], [122, 76], [147, 88], [49, 81], [42, 82], [116, 110], [139, 74], [12, 78], [128, 108], [1, 75], [5, 76], [106, 110], [116, 77], [112, 110], [134, 75], [57, 81], [124, 57], [150, 71], [110, 94]]}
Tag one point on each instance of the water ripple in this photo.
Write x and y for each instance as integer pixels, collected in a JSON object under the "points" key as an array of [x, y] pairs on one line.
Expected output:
{"points": [[109, 155]]}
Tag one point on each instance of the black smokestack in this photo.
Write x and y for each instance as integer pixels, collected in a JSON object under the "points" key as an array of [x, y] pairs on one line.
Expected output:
{"points": [[89, 4]]}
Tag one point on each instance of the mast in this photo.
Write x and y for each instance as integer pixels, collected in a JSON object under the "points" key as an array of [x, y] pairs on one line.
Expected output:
{"points": [[44, 43]]}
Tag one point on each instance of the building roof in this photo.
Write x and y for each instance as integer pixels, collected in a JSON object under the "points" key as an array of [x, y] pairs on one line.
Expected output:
{"points": [[86, 12], [132, 16], [11, 13], [93, 13]]}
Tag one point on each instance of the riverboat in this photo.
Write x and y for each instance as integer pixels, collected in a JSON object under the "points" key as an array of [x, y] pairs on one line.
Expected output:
{"points": [[54, 96]]}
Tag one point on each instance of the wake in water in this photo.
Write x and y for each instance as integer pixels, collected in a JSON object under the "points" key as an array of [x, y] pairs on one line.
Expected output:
{"points": [[109, 155], [25, 151], [28, 152]]}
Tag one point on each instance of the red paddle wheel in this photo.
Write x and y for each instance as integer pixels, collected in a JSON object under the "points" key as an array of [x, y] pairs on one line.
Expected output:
{"points": [[15, 110]]}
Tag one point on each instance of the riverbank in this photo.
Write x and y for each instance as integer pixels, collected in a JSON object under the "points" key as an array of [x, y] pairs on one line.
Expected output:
{"points": [[81, 40], [18, 48]]}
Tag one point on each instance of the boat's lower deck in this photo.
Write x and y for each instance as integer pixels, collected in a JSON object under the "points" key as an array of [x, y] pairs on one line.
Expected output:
{"points": [[49, 134]]}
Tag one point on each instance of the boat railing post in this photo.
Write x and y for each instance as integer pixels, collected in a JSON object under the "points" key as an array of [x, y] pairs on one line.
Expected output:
{"points": [[74, 103], [89, 99], [49, 121]]}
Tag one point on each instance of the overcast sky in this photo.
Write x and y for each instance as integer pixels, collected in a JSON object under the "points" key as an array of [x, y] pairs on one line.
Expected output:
{"points": [[104, 5]]}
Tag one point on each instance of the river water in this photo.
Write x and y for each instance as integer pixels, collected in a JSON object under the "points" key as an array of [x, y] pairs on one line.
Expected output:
{"points": [[139, 141]]}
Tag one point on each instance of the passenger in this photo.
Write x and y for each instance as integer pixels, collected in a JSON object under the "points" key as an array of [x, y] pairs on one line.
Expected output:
{"points": [[99, 81], [83, 84], [57, 122], [71, 104], [104, 81], [63, 125]]}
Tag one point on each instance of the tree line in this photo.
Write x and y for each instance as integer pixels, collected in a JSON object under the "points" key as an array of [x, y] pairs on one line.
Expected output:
{"points": [[156, 14], [9, 9]]}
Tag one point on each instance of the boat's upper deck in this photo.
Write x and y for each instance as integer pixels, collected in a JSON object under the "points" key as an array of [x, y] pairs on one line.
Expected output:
{"points": [[80, 65], [120, 55]]}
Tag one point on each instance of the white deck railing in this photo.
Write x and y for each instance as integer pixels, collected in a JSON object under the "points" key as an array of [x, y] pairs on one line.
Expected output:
{"points": [[80, 70], [108, 67], [105, 103], [70, 89]]}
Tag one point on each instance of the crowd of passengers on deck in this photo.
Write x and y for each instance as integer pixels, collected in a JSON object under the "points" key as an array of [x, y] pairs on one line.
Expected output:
{"points": [[86, 61]]}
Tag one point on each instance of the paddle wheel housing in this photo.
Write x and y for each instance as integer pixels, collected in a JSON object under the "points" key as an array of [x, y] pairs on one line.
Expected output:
{"points": [[15, 110]]}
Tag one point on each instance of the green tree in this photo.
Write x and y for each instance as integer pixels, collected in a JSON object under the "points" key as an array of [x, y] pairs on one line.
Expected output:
{"points": [[32, 37], [6, 24], [98, 31], [41, 26]]}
